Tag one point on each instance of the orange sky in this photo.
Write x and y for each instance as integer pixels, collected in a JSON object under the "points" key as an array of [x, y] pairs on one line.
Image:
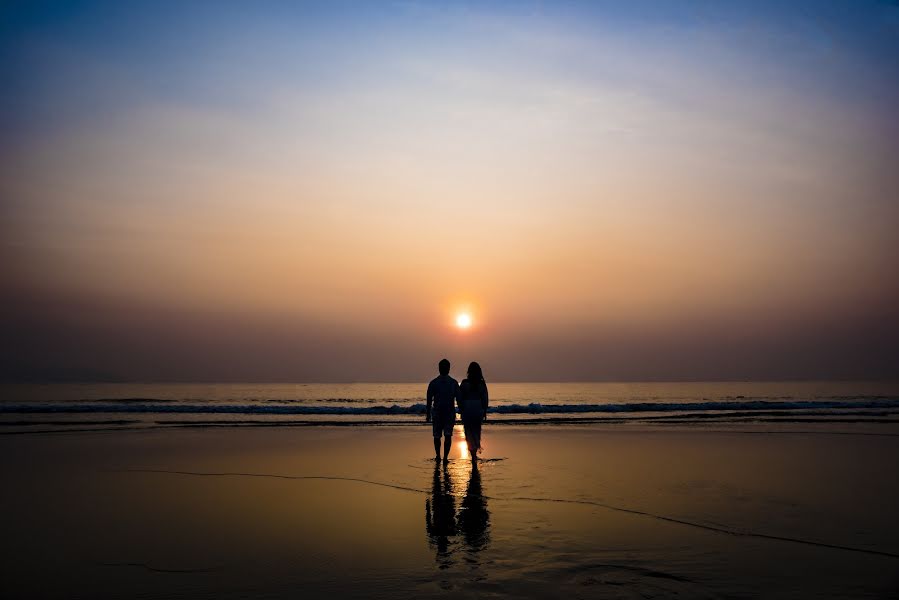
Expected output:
{"points": [[636, 198]]}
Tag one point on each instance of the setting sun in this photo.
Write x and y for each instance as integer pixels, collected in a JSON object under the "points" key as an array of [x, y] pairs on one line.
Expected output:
{"points": [[463, 321]]}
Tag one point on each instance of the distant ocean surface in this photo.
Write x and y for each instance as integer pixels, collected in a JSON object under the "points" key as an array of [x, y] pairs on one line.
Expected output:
{"points": [[57, 407]]}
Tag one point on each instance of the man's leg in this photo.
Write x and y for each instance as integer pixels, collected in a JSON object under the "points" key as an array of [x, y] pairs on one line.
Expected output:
{"points": [[436, 429], [447, 444]]}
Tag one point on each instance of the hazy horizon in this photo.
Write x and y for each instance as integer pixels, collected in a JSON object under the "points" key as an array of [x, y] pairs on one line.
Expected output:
{"points": [[276, 193], [424, 377]]}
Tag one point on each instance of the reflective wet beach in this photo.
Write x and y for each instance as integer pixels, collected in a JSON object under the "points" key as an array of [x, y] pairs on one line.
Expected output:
{"points": [[580, 511]]}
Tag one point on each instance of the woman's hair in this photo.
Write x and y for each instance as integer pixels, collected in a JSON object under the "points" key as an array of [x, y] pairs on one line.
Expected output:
{"points": [[474, 373]]}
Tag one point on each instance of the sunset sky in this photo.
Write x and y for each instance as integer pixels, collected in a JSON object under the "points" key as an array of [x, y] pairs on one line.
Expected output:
{"points": [[280, 191]]}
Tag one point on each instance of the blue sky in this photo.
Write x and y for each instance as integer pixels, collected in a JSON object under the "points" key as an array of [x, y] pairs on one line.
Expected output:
{"points": [[712, 177]]}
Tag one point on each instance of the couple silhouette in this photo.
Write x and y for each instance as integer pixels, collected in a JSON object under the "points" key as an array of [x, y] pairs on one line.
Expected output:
{"points": [[443, 394]]}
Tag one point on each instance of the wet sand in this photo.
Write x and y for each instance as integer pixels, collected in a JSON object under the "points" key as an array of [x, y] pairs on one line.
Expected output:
{"points": [[570, 511]]}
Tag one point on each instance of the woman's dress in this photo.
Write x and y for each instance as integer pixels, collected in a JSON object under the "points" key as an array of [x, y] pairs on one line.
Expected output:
{"points": [[473, 406]]}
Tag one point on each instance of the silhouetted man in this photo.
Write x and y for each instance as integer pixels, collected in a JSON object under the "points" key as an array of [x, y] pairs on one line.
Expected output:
{"points": [[442, 392]]}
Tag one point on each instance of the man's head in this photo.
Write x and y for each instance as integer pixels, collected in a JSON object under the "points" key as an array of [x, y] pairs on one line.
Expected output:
{"points": [[443, 366]]}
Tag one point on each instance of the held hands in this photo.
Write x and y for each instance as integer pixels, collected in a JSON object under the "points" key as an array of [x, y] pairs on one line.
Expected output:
{"points": [[428, 417], [485, 416]]}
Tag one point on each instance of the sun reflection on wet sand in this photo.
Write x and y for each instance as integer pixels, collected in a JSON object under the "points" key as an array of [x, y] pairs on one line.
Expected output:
{"points": [[461, 444]]}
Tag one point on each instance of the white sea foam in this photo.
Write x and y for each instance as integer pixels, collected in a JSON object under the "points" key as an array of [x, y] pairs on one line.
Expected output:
{"points": [[834, 406]]}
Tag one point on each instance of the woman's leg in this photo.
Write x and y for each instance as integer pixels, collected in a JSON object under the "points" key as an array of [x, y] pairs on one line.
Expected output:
{"points": [[473, 438]]}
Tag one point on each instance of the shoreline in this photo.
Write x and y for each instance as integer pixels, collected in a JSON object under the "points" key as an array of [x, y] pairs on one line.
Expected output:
{"points": [[866, 427]]}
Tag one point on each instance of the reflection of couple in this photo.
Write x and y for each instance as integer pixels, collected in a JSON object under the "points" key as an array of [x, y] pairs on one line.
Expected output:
{"points": [[443, 392], [442, 521]]}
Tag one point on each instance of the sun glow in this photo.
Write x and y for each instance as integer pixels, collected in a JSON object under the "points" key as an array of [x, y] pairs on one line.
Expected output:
{"points": [[463, 321]]}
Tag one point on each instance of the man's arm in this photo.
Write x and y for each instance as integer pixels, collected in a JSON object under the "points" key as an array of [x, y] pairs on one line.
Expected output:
{"points": [[430, 394]]}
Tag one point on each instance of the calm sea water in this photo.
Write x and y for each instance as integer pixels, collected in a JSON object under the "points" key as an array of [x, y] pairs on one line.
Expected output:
{"points": [[115, 405]]}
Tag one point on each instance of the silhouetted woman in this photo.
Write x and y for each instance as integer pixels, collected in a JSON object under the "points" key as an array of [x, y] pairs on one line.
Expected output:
{"points": [[473, 406]]}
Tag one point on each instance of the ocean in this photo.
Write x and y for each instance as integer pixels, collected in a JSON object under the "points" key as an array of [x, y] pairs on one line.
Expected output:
{"points": [[98, 406]]}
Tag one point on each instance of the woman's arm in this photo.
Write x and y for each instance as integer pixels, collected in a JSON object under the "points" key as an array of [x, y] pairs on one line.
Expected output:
{"points": [[485, 401]]}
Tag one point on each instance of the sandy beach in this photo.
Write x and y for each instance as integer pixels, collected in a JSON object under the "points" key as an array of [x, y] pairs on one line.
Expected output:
{"points": [[576, 511]]}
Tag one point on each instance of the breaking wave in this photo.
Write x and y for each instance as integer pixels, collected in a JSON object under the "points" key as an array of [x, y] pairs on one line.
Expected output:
{"points": [[265, 408]]}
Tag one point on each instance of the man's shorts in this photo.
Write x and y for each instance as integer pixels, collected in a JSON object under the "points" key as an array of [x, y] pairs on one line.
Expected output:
{"points": [[442, 424]]}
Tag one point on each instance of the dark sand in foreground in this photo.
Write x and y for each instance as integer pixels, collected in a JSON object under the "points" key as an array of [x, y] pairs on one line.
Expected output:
{"points": [[590, 511]]}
